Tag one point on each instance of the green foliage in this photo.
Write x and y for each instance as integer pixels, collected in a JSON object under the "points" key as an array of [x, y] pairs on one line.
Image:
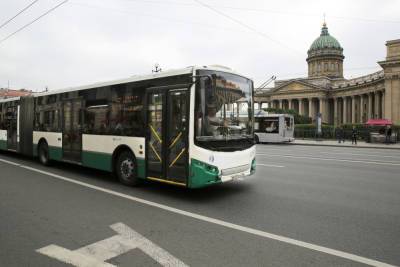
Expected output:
{"points": [[310, 131]]}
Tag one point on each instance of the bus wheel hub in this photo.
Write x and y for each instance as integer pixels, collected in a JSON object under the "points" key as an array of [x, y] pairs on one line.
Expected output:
{"points": [[127, 168]]}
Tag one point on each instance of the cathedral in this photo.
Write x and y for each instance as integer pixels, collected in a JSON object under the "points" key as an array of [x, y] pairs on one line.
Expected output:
{"points": [[325, 91]]}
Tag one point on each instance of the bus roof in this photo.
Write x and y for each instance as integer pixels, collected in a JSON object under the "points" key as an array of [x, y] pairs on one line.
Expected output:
{"points": [[136, 78], [10, 99], [261, 113]]}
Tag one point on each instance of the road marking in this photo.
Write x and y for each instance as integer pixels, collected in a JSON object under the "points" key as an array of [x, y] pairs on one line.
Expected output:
{"points": [[331, 159], [337, 152], [270, 165], [98, 253], [10, 162], [287, 240], [366, 155]]}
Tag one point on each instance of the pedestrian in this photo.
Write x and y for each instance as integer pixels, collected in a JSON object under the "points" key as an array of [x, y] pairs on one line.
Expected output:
{"points": [[340, 134], [388, 134], [354, 136]]}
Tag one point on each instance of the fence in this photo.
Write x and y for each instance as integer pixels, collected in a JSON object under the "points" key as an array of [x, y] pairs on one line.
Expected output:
{"points": [[330, 133]]}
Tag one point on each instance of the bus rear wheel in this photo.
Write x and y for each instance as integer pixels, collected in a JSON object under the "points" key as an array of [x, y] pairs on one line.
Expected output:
{"points": [[43, 153], [126, 169]]}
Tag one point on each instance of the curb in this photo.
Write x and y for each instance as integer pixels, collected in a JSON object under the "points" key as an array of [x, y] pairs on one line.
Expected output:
{"points": [[353, 146]]}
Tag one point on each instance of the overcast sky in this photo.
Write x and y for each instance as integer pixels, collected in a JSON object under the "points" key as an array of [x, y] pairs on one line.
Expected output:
{"points": [[86, 41]]}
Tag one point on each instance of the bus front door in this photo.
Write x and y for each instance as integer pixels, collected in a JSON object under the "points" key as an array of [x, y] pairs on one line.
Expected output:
{"points": [[167, 135], [72, 133]]}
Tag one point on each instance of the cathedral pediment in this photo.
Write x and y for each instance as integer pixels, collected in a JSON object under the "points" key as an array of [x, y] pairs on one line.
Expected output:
{"points": [[296, 86]]}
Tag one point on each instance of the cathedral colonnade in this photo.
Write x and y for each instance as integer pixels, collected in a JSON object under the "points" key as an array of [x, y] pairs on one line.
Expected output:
{"points": [[336, 110]]}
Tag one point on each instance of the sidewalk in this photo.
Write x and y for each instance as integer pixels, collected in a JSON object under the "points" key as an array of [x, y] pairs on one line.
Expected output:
{"points": [[334, 143]]}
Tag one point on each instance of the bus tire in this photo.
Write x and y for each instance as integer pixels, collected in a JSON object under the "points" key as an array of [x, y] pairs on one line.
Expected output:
{"points": [[126, 168], [43, 153], [256, 139]]}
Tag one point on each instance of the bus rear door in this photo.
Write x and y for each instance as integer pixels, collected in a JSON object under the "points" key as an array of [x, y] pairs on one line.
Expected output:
{"points": [[72, 132], [12, 127]]}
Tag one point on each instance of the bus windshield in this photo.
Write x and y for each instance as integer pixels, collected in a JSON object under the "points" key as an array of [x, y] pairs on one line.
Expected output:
{"points": [[224, 112]]}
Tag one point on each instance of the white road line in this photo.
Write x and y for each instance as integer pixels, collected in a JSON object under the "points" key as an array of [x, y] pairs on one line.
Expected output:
{"points": [[365, 155], [336, 152], [10, 162], [270, 165], [237, 227], [331, 159]]}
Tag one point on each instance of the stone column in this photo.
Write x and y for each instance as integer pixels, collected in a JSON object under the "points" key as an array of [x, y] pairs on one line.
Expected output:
{"points": [[371, 105], [335, 111], [301, 107], [383, 106], [280, 103], [362, 109], [290, 103], [311, 112], [345, 115], [323, 109], [353, 109], [376, 105]]}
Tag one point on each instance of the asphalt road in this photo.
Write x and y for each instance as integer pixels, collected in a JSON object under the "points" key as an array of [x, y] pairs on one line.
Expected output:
{"points": [[337, 199]]}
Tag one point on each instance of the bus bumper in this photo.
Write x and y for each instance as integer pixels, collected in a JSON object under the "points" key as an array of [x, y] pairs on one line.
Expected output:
{"points": [[238, 173]]}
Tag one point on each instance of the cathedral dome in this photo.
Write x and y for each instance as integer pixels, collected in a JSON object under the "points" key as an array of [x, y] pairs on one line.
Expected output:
{"points": [[325, 40], [325, 56]]}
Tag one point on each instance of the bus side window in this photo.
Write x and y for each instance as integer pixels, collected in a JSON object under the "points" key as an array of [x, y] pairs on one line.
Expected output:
{"points": [[96, 118], [127, 111]]}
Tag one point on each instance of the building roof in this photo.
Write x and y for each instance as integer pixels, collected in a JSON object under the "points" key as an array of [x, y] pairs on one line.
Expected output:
{"points": [[325, 40], [9, 93]]}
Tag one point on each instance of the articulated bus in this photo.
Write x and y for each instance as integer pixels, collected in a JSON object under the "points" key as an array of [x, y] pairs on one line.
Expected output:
{"points": [[169, 127]]}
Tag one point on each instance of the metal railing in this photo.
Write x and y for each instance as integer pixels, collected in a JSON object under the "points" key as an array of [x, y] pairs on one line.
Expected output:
{"points": [[363, 134]]}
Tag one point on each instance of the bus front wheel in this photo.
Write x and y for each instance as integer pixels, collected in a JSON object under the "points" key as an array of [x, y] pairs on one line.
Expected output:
{"points": [[43, 153], [126, 169]]}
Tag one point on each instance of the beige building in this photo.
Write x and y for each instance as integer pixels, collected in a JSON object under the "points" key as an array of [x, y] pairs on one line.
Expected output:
{"points": [[8, 93], [340, 100]]}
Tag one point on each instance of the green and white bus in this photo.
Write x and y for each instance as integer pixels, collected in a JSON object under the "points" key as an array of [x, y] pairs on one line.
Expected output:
{"points": [[169, 126]]}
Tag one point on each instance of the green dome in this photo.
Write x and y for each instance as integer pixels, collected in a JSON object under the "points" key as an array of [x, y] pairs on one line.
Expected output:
{"points": [[325, 41]]}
